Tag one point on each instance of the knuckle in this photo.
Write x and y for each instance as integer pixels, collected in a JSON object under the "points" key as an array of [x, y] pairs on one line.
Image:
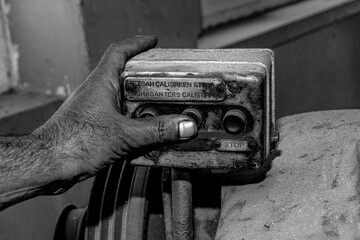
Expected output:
{"points": [[113, 46], [161, 131], [120, 48]]}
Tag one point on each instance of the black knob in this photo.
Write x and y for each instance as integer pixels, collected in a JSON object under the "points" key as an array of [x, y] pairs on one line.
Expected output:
{"points": [[234, 121], [195, 114]]}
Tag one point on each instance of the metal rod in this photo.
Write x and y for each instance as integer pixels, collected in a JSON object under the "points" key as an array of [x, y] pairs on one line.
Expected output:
{"points": [[166, 197], [182, 209]]}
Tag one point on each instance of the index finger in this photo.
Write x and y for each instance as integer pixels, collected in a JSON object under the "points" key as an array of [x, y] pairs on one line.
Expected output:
{"points": [[116, 55]]}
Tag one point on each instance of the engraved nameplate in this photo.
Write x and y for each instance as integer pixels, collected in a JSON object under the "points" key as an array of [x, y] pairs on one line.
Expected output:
{"points": [[174, 89], [231, 145]]}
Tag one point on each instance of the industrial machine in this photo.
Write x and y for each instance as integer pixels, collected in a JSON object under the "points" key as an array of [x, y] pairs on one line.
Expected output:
{"points": [[175, 192]]}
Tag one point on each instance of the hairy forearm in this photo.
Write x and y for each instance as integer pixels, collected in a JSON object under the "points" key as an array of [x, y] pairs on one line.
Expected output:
{"points": [[33, 165], [26, 168], [52, 158]]}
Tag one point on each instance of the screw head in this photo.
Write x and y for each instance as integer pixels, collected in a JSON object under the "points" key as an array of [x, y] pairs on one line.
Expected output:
{"points": [[251, 145], [234, 87], [275, 138], [130, 87], [217, 144], [221, 88], [153, 155]]}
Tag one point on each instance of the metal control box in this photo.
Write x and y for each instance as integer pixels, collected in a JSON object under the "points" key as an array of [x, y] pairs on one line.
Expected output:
{"points": [[228, 92]]}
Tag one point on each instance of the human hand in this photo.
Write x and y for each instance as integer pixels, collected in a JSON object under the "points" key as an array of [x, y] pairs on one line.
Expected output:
{"points": [[89, 131]]}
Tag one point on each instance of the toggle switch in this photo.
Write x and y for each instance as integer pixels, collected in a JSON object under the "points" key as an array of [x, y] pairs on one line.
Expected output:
{"points": [[234, 121]]}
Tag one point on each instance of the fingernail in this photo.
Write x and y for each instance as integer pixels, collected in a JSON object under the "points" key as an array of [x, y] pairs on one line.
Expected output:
{"points": [[187, 129]]}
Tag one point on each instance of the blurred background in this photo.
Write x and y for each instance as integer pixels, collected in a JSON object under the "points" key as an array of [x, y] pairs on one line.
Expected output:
{"points": [[47, 48]]}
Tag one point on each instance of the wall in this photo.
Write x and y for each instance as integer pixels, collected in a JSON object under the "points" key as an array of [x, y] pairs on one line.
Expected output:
{"points": [[177, 23], [215, 12], [8, 53], [319, 71], [49, 34]]}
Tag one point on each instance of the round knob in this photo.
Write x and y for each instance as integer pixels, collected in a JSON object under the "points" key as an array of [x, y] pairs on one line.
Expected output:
{"points": [[195, 114], [234, 121], [149, 112]]}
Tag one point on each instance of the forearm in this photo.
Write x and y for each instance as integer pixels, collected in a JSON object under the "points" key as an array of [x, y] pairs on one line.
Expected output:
{"points": [[30, 166]]}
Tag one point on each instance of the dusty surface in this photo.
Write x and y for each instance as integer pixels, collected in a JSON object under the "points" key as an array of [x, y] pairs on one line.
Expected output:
{"points": [[312, 188]]}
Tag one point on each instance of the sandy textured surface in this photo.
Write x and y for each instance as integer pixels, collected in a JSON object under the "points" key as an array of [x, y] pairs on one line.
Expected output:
{"points": [[312, 188]]}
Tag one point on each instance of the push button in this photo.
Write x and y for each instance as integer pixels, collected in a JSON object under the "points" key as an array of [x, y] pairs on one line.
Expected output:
{"points": [[234, 121], [195, 114], [149, 112]]}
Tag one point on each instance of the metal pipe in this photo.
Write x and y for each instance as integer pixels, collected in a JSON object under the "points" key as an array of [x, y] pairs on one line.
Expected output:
{"points": [[182, 209], [166, 197]]}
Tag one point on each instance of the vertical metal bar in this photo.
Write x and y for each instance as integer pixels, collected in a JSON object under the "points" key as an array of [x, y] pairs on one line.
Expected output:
{"points": [[166, 197], [182, 209]]}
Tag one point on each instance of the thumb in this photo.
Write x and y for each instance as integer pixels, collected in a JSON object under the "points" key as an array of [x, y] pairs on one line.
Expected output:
{"points": [[149, 133]]}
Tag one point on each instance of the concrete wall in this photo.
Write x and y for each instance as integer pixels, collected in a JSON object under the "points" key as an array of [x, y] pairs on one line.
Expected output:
{"points": [[319, 71], [50, 39], [177, 23], [51, 35], [8, 53]]}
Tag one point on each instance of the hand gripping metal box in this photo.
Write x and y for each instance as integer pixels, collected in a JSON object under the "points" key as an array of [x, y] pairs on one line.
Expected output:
{"points": [[228, 92]]}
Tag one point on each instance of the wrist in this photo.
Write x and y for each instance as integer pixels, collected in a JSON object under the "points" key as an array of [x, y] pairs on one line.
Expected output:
{"points": [[28, 168], [48, 168], [62, 150], [75, 148]]}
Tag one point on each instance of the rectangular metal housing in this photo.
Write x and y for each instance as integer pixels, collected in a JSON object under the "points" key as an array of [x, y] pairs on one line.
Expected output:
{"points": [[214, 81]]}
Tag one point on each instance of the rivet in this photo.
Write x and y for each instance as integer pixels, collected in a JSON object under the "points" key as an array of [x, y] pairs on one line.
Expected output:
{"points": [[130, 87], [220, 88], [275, 138]]}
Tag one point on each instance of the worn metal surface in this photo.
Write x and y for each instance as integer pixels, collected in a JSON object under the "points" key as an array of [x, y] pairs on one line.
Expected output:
{"points": [[206, 202], [125, 203], [128, 202], [311, 190], [227, 87], [70, 223], [111, 199], [173, 89], [167, 205], [182, 207]]}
